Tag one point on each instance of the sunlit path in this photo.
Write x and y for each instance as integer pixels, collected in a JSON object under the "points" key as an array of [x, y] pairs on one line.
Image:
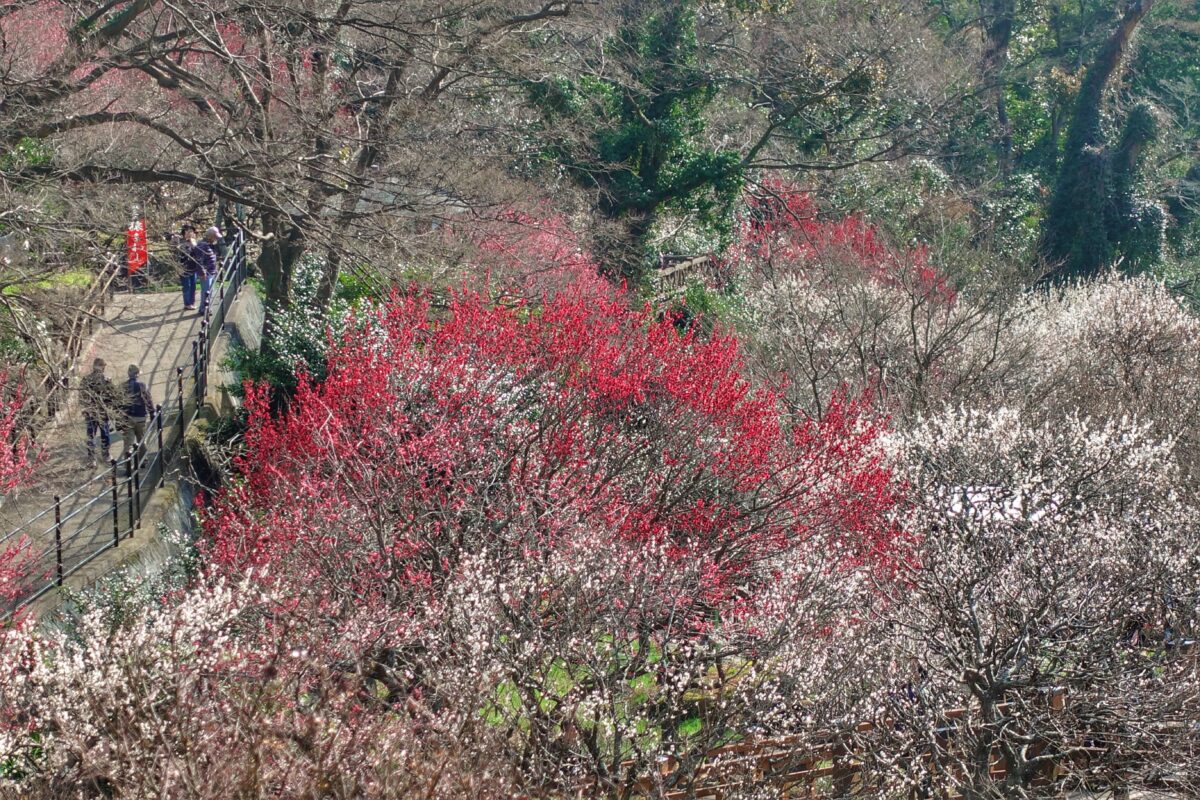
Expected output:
{"points": [[72, 512], [151, 330]]}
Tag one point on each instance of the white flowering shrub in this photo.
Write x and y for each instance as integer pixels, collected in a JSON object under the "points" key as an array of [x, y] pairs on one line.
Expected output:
{"points": [[815, 328], [1052, 599], [206, 696], [300, 335], [1107, 349], [583, 703], [1114, 347]]}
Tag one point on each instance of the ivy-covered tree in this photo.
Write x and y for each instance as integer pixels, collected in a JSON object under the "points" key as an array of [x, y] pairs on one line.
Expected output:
{"points": [[1094, 216], [660, 112], [633, 135]]}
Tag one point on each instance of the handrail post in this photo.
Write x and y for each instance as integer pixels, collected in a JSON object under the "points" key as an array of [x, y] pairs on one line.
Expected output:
{"points": [[137, 481], [180, 421], [129, 486], [58, 537], [203, 340], [162, 473], [196, 371], [241, 258], [115, 503]]}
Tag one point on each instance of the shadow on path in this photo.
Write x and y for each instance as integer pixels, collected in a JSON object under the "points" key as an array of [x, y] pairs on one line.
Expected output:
{"points": [[151, 330]]}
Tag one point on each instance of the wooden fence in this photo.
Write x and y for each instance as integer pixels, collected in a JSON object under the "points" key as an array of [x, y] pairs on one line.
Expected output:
{"points": [[827, 766], [674, 273]]}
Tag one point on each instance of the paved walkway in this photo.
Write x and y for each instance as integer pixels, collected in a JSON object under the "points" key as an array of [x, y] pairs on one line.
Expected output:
{"points": [[152, 330]]}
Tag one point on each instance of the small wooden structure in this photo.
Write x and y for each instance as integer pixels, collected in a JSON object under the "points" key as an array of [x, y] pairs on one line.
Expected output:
{"points": [[675, 272]]}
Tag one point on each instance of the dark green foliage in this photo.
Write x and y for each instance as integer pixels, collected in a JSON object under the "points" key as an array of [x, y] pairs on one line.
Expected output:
{"points": [[1094, 219], [631, 132], [1184, 203], [1096, 111]]}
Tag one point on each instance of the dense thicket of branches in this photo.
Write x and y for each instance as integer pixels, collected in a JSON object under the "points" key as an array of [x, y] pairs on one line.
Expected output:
{"points": [[867, 491]]}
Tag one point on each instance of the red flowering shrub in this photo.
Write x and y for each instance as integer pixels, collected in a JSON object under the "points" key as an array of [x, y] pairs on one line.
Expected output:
{"points": [[545, 418], [570, 520], [16, 464], [783, 230], [536, 256]]}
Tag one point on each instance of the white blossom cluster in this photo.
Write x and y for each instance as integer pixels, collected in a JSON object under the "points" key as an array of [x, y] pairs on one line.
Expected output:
{"points": [[1049, 443]]}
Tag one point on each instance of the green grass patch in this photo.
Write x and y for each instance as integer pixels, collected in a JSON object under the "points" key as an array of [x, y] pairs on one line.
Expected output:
{"points": [[76, 278]]}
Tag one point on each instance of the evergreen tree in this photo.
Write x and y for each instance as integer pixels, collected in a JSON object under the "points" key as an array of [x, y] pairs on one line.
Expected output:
{"points": [[631, 131]]}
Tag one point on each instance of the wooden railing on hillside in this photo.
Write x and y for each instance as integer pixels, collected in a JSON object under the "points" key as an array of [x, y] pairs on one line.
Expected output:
{"points": [[675, 272], [833, 766]]}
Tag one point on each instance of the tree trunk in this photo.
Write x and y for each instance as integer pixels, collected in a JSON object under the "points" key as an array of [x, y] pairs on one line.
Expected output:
{"points": [[1074, 238], [276, 263], [998, 28], [1085, 125], [329, 278], [621, 244]]}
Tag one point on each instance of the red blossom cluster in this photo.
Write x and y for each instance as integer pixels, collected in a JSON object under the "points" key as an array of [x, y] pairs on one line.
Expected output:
{"points": [[784, 225], [35, 36], [537, 255], [520, 432], [16, 463]]}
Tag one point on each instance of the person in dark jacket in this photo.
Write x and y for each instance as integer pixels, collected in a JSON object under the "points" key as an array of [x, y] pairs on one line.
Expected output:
{"points": [[207, 252], [98, 398], [138, 408], [189, 264]]}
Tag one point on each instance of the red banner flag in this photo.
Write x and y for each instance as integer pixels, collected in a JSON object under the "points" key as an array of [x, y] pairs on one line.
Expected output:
{"points": [[135, 245]]}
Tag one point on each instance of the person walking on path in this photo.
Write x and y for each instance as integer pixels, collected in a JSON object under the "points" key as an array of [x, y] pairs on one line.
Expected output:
{"points": [[99, 398], [207, 253], [190, 259], [138, 407]]}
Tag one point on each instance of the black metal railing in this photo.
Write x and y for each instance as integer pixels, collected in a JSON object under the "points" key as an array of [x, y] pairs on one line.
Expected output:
{"points": [[100, 513]]}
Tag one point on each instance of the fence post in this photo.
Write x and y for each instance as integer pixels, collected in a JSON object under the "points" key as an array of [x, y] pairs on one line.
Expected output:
{"points": [[201, 389], [129, 486], [162, 460], [58, 537], [137, 481], [115, 504], [196, 370]]}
